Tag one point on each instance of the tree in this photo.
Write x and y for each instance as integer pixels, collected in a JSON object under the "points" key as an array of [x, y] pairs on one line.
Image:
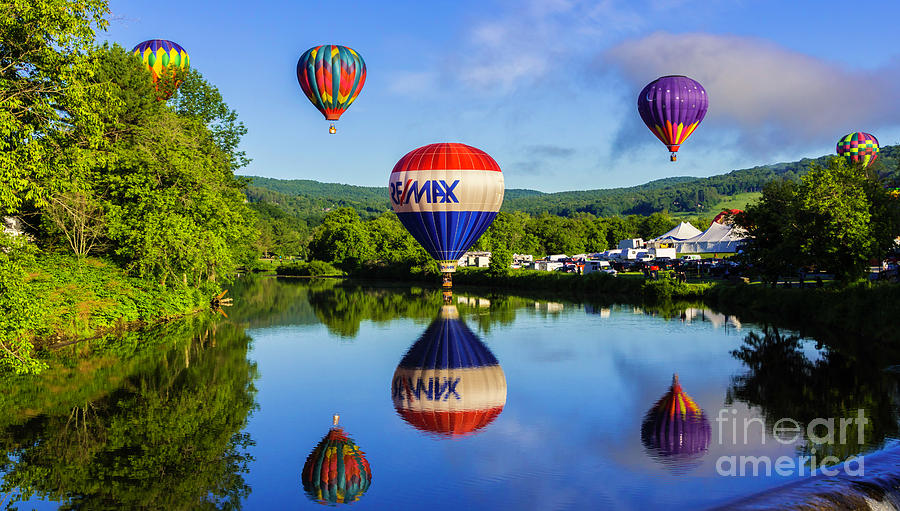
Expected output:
{"points": [[174, 209], [773, 226], [837, 231], [501, 259], [837, 219], [79, 217], [342, 239], [47, 107]]}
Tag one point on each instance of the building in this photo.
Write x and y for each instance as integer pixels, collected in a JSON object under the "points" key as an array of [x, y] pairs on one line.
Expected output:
{"points": [[475, 259]]}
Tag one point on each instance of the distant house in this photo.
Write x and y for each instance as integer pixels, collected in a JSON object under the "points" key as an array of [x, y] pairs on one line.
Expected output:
{"points": [[475, 259]]}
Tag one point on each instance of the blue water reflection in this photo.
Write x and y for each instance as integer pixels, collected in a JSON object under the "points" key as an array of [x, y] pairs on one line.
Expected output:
{"points": [[563, 425]]}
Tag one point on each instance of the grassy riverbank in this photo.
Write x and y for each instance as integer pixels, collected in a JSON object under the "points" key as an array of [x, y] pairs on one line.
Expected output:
{"points": [[56, 298]]}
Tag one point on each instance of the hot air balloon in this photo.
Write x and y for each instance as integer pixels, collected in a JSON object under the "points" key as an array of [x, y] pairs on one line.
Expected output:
{"points": [[446, 195], [331, 76], [672, 107], [676, 431], [449, 383], [165, 60], [858, 147], [336, 471], [725, 216]]}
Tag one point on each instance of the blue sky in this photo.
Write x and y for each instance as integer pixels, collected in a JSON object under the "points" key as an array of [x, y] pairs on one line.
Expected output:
{"points": [[547, 87]]}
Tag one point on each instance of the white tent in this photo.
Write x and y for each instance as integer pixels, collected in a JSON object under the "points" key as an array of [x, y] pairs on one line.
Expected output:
{"points": [[717, 238], [680, 232]]}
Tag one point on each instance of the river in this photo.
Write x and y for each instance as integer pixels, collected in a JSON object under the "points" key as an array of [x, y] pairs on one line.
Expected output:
{"points": [[495, 402]]}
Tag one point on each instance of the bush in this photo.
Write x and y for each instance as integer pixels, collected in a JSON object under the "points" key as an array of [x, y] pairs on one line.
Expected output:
{"points": [[308, 269]]}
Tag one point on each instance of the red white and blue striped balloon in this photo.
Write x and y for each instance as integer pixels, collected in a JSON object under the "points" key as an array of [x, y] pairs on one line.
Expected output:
{"points": [[449, 383], [446, 196]]}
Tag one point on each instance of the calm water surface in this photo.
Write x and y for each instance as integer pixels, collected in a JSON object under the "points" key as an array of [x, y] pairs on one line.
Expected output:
{"points": [[542, 406]]}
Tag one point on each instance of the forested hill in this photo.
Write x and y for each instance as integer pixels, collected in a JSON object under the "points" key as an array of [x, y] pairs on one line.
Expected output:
{"points": [[311, 199]]}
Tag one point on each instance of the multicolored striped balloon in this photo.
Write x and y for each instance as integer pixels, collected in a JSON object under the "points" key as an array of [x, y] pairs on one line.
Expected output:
{"points": [[449, 383], [675, 430], [858, 147], [672, 107], [162, 58], [331, 76], [336, 471], [446, 196]]}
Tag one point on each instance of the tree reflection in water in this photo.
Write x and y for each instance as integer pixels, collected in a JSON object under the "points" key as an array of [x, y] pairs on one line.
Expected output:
{"points": [[161, 429], [784, 383]]}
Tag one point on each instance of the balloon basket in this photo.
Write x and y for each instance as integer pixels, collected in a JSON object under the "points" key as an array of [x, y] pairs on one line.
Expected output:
{"points": [[332, 129], [673, 157]]}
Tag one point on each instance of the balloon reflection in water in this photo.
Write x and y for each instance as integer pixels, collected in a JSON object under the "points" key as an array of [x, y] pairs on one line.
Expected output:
{"points": [[675, 431], [449, 383], [336, 471]]}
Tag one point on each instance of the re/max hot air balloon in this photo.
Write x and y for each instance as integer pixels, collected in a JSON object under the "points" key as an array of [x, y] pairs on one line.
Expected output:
{"points": [[331, 76], [164, 60], [672, 107], [858, 147], [336, 471], [449, 383], [675, 431], [446, 195]]}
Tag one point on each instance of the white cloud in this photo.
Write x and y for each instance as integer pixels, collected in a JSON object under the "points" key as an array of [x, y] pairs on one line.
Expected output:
{"points": [[764, 89]]}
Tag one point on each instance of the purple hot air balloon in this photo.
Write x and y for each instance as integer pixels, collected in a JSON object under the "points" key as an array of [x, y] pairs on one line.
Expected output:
{"points": [[675, 431], [672, 107]]}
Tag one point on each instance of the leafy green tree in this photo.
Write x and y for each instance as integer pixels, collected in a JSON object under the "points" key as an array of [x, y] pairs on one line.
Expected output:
{"points": [[47, 108], [501, 259], [198, 99], [774, 227], [837, 231], [342, 239]]}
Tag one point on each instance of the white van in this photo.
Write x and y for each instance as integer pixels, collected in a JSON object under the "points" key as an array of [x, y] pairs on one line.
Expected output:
{"points": [[690, 257], [592, 266]]}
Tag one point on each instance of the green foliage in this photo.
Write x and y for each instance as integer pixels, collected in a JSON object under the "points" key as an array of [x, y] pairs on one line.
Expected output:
{"points": [[501, 259], [47, 110], [308, 269], [61, 296], [836, 220], [19, 310], [200, 100], [161, 428], [341, 239]]}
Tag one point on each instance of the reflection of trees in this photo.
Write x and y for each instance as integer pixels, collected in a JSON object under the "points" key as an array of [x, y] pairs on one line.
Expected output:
{"points": [[162, 432], [784, 383], [262, 301], [343, 307]]}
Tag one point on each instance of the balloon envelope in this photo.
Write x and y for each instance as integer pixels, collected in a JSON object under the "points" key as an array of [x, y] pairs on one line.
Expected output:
{"points": [[858, 147], [672, 107], [676, 431], [336, 471], [331, 76], [163, 59], [721, 217], [449, 383], [446, 195]]}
